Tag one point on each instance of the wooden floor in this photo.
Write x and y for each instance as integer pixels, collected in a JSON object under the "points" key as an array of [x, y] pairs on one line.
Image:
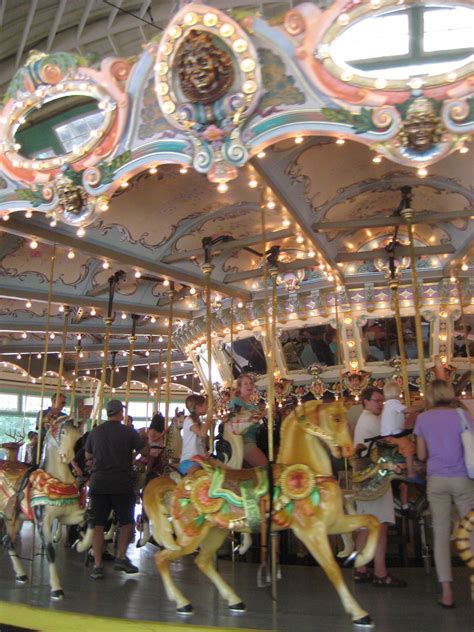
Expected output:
{"points": [[306, 600]]}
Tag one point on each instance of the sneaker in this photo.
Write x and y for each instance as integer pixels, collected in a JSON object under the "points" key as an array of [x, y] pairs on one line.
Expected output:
{"points": [[124, 564], [98, 572]]}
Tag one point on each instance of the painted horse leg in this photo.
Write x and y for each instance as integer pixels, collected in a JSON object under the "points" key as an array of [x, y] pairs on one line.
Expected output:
{"points": [[44, 520], [347, 524], [205, 563], [12, 529], [314, 536], [163, 559]]}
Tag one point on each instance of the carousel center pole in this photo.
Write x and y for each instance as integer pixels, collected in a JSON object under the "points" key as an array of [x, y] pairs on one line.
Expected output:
{"points": [[131, 350], [408, 215], [45, 356]]}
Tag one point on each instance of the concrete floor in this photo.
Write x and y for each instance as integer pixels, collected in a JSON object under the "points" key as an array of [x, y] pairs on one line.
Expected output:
{"points": [[306, 600]]}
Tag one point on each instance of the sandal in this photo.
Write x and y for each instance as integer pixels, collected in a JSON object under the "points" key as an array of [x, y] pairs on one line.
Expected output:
{"points": [[363, 578], [388, 582]]}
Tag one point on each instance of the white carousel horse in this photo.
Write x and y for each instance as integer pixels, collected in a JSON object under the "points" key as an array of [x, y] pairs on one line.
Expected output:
{"points": [[199, 511], [43, 495]]}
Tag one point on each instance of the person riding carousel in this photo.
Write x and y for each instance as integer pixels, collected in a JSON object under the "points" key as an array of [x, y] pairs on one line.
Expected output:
{"points": [[247, 426]]}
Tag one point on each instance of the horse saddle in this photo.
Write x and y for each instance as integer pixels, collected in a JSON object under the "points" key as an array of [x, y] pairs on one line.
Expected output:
{"points": [[13, 479]]}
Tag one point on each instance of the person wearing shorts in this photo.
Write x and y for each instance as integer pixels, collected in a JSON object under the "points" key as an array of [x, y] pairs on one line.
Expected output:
{"points": [[110, 446]]}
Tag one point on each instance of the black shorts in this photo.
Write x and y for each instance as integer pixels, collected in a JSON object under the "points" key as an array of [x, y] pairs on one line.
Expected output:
{"points": [[122, 504]]}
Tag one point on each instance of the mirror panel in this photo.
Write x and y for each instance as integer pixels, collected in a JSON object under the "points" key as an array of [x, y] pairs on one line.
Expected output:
{"points": [[380, 343], [459, 337], [248, 356], [309, 345]]}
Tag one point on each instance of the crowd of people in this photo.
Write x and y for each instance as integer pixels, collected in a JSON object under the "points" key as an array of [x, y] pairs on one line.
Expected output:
{"points": [[106, 456]]}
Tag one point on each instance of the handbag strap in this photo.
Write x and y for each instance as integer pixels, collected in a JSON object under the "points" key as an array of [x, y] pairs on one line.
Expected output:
{"points": [[464, 423]]}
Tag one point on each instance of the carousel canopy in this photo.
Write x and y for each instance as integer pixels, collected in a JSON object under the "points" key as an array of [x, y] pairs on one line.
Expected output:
{"points": [[142, 140]]}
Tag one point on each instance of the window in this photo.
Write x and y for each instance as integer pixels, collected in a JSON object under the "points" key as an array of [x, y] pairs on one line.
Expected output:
{"points": [[138, 409], [402, 44], [32, 404], [8, 402]]}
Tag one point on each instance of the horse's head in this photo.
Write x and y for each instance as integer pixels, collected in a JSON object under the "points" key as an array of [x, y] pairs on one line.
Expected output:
{"points": [[328, 422], [63, 435]]}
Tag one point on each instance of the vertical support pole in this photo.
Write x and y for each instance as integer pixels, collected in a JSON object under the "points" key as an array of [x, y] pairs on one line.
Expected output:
{"points": [[394, 284]]}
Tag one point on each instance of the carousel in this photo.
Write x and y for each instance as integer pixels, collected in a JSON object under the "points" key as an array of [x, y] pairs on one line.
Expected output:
{"points": [[230, 189]]}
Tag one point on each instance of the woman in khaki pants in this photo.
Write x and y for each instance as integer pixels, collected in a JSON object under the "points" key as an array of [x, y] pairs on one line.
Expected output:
{"points": [[438, 440]]}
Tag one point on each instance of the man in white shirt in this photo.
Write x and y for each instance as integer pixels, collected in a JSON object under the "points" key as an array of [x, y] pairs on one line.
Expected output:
{"points": [[368, 425]]}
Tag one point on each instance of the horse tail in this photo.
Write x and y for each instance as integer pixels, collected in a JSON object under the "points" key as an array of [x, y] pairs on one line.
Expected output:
{"points": [[154, 501], [462, 540]]}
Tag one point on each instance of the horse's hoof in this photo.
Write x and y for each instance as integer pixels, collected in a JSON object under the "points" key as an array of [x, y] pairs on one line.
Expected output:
{"points": [[57, 594], [350, 561], [185, 610], [365, 622], [22, 579], [238, 607]]}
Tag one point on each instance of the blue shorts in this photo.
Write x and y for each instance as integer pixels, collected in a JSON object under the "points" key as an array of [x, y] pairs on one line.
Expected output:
{"points": [[186, 465]]}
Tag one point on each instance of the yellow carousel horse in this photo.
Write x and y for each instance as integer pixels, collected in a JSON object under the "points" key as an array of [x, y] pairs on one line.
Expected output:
{"points": [[462, 537], [298, 492], [42, 495]]}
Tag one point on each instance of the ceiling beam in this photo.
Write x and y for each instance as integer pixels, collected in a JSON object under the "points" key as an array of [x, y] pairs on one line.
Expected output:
{"points": [[54, 27], [400, 251], [25, 347], [3, 6], [467, 248], [100, 250], [388, 221], [84, 18], [256, 273], [294, 201], [81, 328], [236, 244], [60, 298], [26, 32]]}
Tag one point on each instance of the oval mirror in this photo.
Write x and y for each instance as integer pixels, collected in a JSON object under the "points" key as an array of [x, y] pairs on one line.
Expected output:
{"points": [[431, 41], [57, 127]]}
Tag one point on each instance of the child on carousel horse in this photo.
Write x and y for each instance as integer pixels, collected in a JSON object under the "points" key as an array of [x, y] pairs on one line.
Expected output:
{"points": [[391, 428], [194, 434]]}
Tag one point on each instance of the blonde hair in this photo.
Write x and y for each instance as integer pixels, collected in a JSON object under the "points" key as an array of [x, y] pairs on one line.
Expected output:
{"points": [[392, 390], [440, 393], [239, 380]]}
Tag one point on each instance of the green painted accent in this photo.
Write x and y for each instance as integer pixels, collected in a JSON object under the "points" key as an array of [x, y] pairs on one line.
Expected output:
{"points": [[200, 520], [216, 491], [252, 510], [45, 500], [276, 492], [33, 196], [184, 502], [315, 496], [278, 87], [361, 122], [290, 507], [262, 483], [108, 170]]}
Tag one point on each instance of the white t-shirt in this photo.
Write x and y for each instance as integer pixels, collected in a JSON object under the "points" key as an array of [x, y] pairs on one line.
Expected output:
{"points": [[393, 418], [368, 425], [192, 444]]}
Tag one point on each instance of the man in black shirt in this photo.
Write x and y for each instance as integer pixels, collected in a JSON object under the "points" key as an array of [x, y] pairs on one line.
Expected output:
{"points": [[111, 446]]}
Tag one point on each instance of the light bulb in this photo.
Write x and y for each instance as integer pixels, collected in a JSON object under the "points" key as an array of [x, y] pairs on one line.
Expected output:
{"points": [[138, 274], [153, 170], [80, 232], [33, 244], [192, 291], [61, 308], [124, 184], [153, 319], [71, 254], [166, 283], [106, 265], [124, 316], [298, 140], [261, 154], [28, 304], [183, 170], [422, 172], [24, 335], [222, 187], [340, 141], [93, 312], [464, 267]]}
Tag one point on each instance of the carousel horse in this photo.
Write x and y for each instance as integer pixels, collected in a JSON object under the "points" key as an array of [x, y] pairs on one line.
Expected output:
{"points": [[462, 537], [42, 495], [298, 492]]}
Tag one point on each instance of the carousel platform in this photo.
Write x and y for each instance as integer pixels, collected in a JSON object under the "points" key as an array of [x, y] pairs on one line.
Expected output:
{"points": [[137, 603]]}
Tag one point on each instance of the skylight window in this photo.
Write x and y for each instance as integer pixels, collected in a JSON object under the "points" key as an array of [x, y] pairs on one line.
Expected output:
{"points": [[401, 44]]}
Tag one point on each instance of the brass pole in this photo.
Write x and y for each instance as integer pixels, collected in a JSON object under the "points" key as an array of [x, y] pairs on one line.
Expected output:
{"points": [[150, 342], [408, 216], [45, 356], [108, 324], [394, 285], [78, 349], [207, 268], [169, 348], [131, 350], [26, 394], [112, 370], [464, 326], [159, 379], [63, 350]]}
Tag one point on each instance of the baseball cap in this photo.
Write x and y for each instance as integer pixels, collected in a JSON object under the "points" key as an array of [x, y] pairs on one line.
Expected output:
{"points": [[114, 407]]}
